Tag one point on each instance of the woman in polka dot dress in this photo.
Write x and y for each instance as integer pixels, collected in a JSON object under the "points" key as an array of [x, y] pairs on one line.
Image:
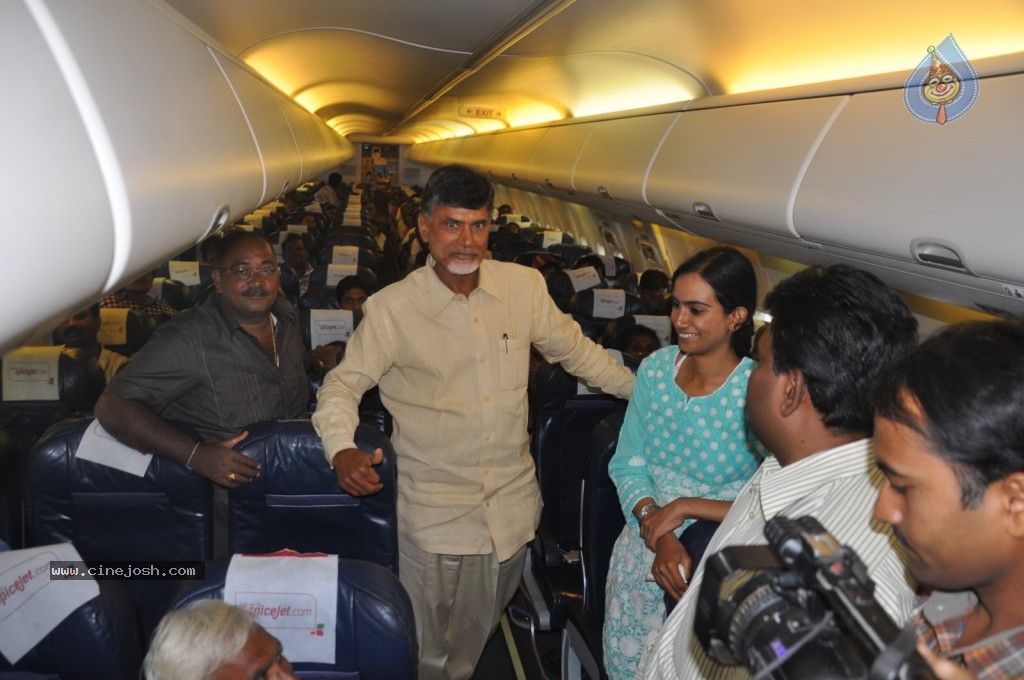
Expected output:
{"points": [[684, 451]]}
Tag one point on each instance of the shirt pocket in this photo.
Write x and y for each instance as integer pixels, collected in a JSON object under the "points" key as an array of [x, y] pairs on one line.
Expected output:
{"points": [[513, 363]]}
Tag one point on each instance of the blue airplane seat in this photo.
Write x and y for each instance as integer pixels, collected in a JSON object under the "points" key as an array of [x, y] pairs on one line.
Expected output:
{"points": [[376, 632], [319, 276], [195, 290], [570, 252], [371, 409], [305, 320], [174, 293], [508, 251], [364, 256], [601, 523], [296, 503], [112, 515], [591, 318], [100, 639], [137, 330]]}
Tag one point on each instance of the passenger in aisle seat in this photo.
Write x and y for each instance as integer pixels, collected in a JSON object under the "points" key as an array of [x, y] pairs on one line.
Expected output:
{"points": [[235, 360], [684, 445], [653, 291], [834, 331], [135, 295], [81, 331], [449, 346], [213, 640], [296, 262], [352, 292], [640, 342]]}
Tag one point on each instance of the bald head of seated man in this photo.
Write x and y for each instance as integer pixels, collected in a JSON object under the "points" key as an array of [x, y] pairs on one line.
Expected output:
{"points": [[213, 640]]}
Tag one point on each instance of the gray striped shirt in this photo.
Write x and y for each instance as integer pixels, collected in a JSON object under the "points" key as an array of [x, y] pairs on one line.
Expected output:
{"points": [[838, 487]]}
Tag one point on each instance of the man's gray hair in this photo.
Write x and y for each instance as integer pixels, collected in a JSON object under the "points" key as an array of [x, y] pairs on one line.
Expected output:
{"points": [[193, 642]]}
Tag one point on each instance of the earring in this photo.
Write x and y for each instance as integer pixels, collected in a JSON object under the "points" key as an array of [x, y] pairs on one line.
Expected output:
{"points": [[732, 329]]}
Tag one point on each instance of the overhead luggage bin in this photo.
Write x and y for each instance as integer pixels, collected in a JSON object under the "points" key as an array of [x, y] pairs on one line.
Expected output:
{"points": [[617, 156], [186, 137], [519, 148], [279, 156], [552, 165], [739, 165], [47, 220], [927, 201]]}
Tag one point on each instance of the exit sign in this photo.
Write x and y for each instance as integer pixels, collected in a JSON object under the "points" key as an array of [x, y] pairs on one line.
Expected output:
{"points": [[482, 112]]}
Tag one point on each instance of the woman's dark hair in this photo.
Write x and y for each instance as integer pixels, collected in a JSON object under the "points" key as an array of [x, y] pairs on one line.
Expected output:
{"points": [[732, 278], [968, 381]]}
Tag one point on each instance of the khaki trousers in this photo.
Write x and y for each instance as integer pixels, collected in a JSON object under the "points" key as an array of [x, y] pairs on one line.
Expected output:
{"points": [[458, 601]]}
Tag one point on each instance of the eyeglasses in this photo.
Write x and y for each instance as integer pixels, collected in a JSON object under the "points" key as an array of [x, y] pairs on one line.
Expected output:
{"points": [[246, 273]]}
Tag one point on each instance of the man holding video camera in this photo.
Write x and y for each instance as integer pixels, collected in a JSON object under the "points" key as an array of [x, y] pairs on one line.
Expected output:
{"points": [[949, 433], [833, 332]]}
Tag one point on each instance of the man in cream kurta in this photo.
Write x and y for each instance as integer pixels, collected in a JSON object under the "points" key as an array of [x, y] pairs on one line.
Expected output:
{"points": [[449, 347]]}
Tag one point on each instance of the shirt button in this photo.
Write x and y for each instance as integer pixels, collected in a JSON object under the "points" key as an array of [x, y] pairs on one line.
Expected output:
{"points": [[487, 437], [487, 397], [751, 515]]}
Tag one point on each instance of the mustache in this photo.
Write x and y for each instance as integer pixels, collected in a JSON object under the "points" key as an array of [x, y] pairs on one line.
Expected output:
{"points": [[255, 292]]}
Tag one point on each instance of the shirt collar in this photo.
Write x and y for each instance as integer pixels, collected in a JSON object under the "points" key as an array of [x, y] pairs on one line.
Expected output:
{"points": [[439, 295], [781, 486]]}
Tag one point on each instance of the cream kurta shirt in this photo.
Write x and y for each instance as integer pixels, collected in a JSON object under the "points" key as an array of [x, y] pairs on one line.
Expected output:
{"points": [[453, 372]]}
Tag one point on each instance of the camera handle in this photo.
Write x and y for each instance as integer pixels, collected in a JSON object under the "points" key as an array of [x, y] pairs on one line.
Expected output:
{"points": [[900, 660]]}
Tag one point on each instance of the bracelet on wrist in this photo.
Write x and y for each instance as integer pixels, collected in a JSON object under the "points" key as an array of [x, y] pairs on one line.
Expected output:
{"points": [[646, 510]]}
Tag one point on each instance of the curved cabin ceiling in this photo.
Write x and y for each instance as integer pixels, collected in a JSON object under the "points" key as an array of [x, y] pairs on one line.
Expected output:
{"points": [[424, 70]]}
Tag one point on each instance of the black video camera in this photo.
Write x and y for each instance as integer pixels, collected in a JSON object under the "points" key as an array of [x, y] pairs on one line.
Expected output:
{"points": [[801, 607]]}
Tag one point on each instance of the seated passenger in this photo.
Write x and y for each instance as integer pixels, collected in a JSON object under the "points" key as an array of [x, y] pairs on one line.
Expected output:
{"points": [[652, 289], [351, 293], [683, 445], [329, 193], [80, 331], [639, 342], [833, 332], [296, 260], [213, 640], [949, 438], [135, 296]]}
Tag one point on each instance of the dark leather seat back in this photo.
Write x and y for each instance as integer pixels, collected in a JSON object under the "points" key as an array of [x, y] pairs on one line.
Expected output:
{"points": [[341, 319], [136, 331], [296, 503], [319, 277], [100, 639], [602, 519], [570, 252], [376, 632], [109, 514], [563, 422], [508, 251], [194, 289], [174, 293]]}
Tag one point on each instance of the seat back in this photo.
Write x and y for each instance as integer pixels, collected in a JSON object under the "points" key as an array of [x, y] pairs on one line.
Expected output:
{"points": [[329, 324], [563, 422], [296, 503], [174, 293], [100, 639], [376, 632], [595, 308], [601, 519], [507, 251], [124, 331], [195, 276], [110, 515]]}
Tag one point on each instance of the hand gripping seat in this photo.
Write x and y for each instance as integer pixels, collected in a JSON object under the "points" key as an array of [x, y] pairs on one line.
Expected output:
{"points": [[296, 503], [109, 514], [376, 632], [100, 639]]}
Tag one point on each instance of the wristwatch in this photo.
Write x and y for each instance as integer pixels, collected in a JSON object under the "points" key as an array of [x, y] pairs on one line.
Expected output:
{"points": [[646, 510]]}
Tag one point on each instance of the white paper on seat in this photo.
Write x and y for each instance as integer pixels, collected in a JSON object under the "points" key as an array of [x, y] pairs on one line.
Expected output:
{"points": [[609, 303], [584, 388], [31, 605], [298, 229], [551, 238], [328, 325], [186, 272], [156, 290], [583, 278], [99, 446], [30, 374], [336, 272], [113, 326], [662, 325], [345, 255], [294, 597]]}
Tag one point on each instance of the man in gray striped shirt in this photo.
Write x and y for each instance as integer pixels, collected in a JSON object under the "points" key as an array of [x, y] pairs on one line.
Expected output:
{"points": [[833, 331]]}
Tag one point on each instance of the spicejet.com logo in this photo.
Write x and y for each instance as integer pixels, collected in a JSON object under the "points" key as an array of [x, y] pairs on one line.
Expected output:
{"points": [[281, 610], [22, 581]]}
